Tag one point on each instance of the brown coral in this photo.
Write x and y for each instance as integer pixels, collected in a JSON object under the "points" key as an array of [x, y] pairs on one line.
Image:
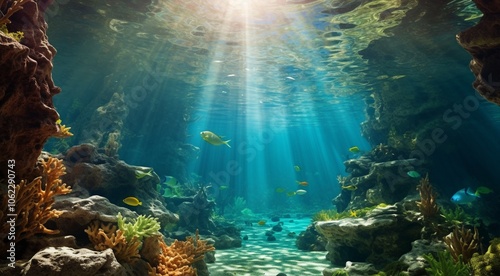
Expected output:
{"points": [[177, 259], [462, 242], [104, 236], [427, 204], [14, 7], [34, 200]]}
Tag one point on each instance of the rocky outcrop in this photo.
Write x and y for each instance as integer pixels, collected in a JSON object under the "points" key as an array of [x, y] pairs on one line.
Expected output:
{"points": [[99, 174], [26, 90], [76, 262], [483, 43], [379, 238]]}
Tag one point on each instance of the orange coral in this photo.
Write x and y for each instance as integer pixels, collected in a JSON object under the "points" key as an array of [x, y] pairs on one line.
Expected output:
{"points": [[176, 259], [104, 236], [34, 200], [427, 204]]}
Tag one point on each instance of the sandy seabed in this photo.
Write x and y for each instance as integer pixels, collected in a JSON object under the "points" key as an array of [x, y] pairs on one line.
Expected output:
{"points": [[257, 256]]}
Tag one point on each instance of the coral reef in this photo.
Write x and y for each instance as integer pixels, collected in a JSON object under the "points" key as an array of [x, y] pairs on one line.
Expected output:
{"points": [[178, 258], [143, 226], [26, 90], [489, 263], [482, 41], [34, 201], [104, 236], [462, 243], [427, 204]]}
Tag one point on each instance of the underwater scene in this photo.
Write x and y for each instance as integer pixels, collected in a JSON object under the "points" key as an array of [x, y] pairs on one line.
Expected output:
{"points": [[249, 137]]}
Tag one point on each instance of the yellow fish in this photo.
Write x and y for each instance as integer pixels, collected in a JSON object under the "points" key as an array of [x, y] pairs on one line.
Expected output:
{"points": [[297, 168], [132, 201], [350, 187], [213, 138], [140, 174], [354, 149], [261, 222], [280, 190]]}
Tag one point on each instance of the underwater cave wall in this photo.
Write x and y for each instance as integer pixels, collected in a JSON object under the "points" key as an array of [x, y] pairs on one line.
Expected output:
{"points": [[28, 116]]}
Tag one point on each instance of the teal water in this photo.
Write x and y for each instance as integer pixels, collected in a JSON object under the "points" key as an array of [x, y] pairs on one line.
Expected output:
{"points": [[290, 83]]}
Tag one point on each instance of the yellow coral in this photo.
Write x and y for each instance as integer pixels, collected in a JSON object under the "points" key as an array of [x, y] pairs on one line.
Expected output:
{"points": [[104, 236], [62, 130]]}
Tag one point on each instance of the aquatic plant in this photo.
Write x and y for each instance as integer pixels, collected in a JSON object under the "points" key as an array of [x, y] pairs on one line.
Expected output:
{"points": [[34, 201], [462, 243], [143, 226], [445, 265], [427, 204], [325, 215], [15, 35], [456, 216], [104, 236], [489, 263]]}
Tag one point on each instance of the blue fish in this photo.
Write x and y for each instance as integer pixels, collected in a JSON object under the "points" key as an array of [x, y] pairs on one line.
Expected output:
{"points": [[464, 196]]}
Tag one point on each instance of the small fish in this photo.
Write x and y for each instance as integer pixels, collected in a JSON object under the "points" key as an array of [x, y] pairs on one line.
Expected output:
{"points": [[483, 190], [223, 187], [280, 190], [290, 78], [354, 149], [291, 194], [413, 174], [261, 222], [141, 174], [303, 183], [213, 138], [464, 196], [132, 201], [296, 168], [350, 187], [169, 181], [300, 192]]}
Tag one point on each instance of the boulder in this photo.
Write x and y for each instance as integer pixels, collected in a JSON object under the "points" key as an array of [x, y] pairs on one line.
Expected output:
{"points": [[75, 262], [380, 237]]}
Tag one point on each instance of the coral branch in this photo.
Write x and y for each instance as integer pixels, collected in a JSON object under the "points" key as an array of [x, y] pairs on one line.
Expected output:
{"points": [[104, 236], [177, 258], [462, 242], [427, 204], [34, 200], [14, 7]]}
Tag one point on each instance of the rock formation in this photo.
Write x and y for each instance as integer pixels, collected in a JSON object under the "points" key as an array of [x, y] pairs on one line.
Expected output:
{"points": [[483, 43], [26, 87]]}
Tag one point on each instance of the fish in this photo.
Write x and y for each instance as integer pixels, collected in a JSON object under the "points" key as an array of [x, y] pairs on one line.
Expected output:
{"points": [[302, 183], [413, 174], [132, 201], [354, 149], [141, 174], [464, 196], [350, 187], [280, 190], [213, 138], [169, 180], [261, 222], [223, 187], [290, 193], [483, 190], [300, 192], [296, 168]]}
